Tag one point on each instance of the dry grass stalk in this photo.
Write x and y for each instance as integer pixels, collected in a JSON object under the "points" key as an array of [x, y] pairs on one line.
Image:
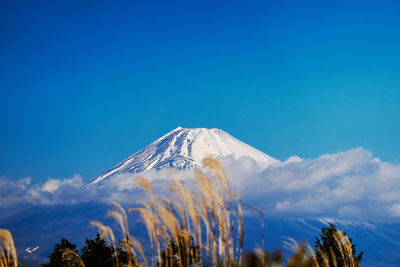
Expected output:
{"points": [[240, 233], [146, 185], [107, 234], [333, 257], [262, 225], [152, 223], [211, 209], [223, 211], [188, 211], [207, 188], [136, 244], [72, 257], [346, 251], [119, 215], [325, 259], [8, 254], [261, 214], [303, 255]]}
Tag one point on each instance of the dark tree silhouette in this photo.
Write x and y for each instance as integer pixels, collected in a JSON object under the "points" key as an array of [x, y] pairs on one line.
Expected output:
{"points": [[96, 253], [56, 259]]}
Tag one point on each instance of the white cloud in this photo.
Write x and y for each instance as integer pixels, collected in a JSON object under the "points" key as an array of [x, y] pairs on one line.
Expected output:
{"points": [[348, 185], [54, 184], [395, 209]]}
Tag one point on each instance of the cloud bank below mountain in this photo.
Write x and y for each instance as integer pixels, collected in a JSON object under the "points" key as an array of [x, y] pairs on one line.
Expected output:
{"points": [[346, 185]]}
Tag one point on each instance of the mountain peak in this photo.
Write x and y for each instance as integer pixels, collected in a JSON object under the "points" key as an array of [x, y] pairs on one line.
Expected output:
{"points": [[185, 148]]}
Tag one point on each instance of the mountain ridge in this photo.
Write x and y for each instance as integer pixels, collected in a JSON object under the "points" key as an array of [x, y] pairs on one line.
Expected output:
{"points": [[184, 149]]}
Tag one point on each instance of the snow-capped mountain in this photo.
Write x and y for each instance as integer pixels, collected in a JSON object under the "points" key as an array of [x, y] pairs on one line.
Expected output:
{"points": [[185, 149]]}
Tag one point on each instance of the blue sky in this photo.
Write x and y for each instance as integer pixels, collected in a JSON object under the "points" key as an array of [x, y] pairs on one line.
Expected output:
{"points": [[83, 86]]}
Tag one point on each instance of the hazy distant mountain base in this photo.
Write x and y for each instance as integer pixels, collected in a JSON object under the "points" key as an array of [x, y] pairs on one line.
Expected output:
{"points": [[351, 184], [45, 226]]}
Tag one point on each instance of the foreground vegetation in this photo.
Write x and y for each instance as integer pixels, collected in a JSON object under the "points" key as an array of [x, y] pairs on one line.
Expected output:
{"points": [[202, 228]]}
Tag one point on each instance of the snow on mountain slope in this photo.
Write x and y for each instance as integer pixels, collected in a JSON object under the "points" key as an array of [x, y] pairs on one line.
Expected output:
{"points": [[185, 149]]}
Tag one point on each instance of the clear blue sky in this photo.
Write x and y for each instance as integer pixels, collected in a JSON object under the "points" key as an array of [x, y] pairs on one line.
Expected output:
{"points": [[84, 84]]}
